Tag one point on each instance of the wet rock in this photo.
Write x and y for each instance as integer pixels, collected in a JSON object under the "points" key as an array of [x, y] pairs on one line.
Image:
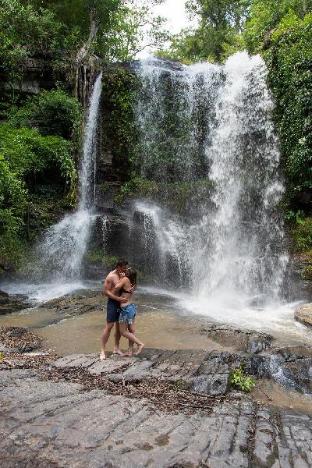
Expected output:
{"points": [[75, 304], [289, 366], [241, 340], [58, 424], [303, 314], [205, 372], [12, 303]]}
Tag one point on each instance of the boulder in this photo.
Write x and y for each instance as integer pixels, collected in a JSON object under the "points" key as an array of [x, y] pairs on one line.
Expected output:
{"points": [[303, 314], [12, 303]]}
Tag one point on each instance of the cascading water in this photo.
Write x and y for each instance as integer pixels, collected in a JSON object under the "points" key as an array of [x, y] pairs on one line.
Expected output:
{"points": [[162, 239], [232, 238], [65, 243], [246, 253]]}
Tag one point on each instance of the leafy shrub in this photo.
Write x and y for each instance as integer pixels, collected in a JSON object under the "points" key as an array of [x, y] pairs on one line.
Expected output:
{"points": [[26, 157], [240, 380], [12, 207], [282, 32], [51, 112], [12, 199], [28, 153], [26, 32], [307, 273], [119, 94], [302, 234]]}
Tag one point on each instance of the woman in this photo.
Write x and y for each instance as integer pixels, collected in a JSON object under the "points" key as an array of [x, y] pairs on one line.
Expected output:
{"points": [[125, 288]]}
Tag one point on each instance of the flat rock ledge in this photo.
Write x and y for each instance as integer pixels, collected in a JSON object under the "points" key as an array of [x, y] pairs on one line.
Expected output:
{"points": [[303, 314], [46, 423], [171, 409]]}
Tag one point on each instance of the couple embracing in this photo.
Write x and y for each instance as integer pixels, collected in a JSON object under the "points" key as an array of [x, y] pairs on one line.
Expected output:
{"points": [[119, 287]]}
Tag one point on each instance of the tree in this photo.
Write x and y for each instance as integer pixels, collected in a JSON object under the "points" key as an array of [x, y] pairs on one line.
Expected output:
{"points": [[219, 30], [113, 29], [265, 15], [135, 28]]}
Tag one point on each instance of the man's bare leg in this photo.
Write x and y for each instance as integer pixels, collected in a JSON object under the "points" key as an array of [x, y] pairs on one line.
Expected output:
{"points": [[106, 332], [117, 349]]}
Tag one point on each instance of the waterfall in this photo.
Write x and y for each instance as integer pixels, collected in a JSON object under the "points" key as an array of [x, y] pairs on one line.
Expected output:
{"points": [[64, 244], [162, 238], [214, 122]]}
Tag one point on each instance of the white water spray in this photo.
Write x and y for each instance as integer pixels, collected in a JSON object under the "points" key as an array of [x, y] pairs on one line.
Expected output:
{"points": [[64, 244], [232, 247]]}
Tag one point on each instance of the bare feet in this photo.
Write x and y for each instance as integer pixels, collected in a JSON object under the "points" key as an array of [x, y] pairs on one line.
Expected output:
{"points": [[118, 351], [102, 356], [139, 350]]}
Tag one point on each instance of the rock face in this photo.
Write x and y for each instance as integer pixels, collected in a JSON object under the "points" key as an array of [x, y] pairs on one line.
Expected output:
{"points": [[241, 340], [303, 314], [75, 304], [147, 411], [46, 423], [12, 303]]}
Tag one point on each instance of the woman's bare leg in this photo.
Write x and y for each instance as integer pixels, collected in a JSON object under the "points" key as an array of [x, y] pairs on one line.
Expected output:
{"points": [[131, 329], [131, 337]]}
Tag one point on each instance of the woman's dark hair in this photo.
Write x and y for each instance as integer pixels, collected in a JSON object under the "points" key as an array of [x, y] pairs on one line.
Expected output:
{"points": [[132, 276], [121, 263]]}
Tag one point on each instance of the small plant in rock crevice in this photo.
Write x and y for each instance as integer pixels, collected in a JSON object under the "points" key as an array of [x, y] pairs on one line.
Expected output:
{"points": [[241, 381]]}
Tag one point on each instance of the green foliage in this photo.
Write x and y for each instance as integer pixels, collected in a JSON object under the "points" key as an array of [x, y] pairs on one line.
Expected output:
{"points": [[109, 261], [133, 28], [26, 32], [117, 27], [217, 35], [26, 160], [28, 153], [119, 93], [241, 381], [12, 207], [97, 256], [265, 16], [76, 13], [51, 112], [285, 37], [176, 195], [12, 199], [307, 273], [302, 234], [137, 186]]}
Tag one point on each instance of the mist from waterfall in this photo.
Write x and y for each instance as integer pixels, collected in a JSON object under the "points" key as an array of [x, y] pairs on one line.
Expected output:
{"points": [[61, 252], [229, 249]]}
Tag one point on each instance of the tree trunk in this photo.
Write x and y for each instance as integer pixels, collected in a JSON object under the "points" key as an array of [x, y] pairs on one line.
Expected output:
{"points": [[82, 53], [84, 50]]}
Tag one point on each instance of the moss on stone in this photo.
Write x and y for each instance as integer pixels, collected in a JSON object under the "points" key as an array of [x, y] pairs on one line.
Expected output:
{"points": [[175, 195]]}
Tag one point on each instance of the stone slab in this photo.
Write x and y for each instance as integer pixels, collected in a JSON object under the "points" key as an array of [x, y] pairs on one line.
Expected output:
{"points": [[58, 424]]}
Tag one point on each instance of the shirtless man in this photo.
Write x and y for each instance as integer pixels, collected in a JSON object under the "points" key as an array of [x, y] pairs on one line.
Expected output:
{"points": [[113, 303]]}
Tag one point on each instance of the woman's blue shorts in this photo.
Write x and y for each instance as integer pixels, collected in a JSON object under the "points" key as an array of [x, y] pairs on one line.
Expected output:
{"points": [[127, 314]]}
